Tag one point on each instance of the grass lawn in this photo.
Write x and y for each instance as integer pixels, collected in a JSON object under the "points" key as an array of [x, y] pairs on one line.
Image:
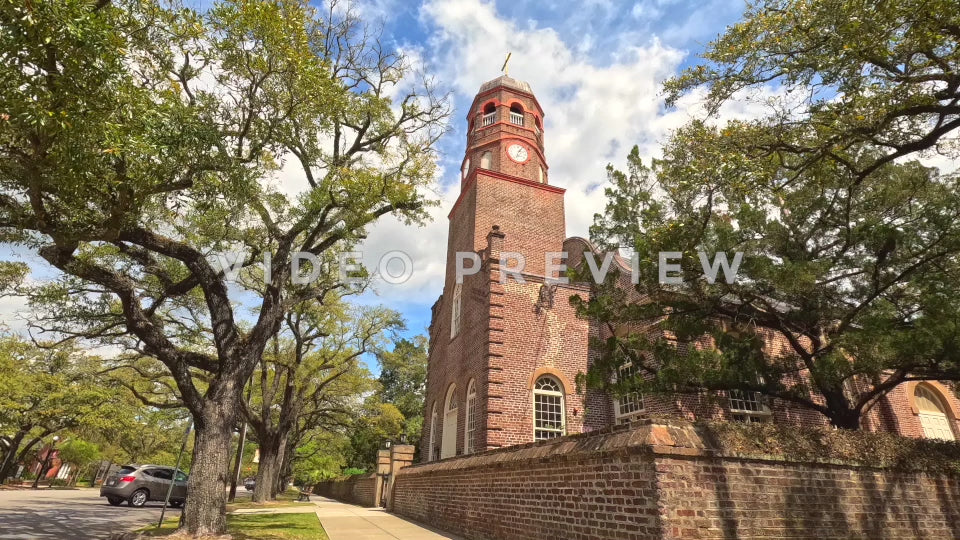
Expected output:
{"points": [[258, 527], [287, 498]]}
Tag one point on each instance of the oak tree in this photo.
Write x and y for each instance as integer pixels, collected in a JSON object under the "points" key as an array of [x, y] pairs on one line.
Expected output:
{"points": [[141, 138]]}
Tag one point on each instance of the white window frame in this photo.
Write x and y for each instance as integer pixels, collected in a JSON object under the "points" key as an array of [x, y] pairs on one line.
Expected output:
{"points": [[563, 411], [470, 430], [433, 432], [456, 310], [637, 397], [755, 411]]}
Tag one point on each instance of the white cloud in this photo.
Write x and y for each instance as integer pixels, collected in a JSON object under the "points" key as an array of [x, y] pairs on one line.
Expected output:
{"points": [[593, 115], [597, 107]]}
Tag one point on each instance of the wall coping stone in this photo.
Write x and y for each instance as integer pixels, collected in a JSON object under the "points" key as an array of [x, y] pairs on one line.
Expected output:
{"points": [[676, 437]]}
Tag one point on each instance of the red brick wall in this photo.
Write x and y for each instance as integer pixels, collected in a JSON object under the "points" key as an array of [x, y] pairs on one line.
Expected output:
{"points": [[655, 482], [358, 489]]}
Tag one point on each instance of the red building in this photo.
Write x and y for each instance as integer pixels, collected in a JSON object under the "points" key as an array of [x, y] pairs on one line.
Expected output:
{"points": [[504, 355]]}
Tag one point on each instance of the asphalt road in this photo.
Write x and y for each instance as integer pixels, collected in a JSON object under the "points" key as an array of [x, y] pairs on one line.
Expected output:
{"points": [[69, 514]]}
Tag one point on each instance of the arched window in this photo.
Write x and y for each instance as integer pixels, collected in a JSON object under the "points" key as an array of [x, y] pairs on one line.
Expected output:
{"points": [[539, 126], [471, 419], [489, 115], [448, 444], [548, 412], [466, 169], [486, 160], [542, 176], [516, 114], [431, 453], [455, 310], [932, 413]]}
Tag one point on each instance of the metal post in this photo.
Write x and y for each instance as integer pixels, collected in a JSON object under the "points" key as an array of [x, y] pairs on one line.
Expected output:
{"points": [[176, 469], [236, 466], [239, 459]]}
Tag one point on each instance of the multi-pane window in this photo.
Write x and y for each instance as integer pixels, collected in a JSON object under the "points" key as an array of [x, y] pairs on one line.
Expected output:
{"points": [[471, 418], [455, 310], [747, 407], [630, 404], [548, 413]]}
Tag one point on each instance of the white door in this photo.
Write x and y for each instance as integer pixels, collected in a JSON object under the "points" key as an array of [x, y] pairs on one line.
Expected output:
{"points": [[936, 426]]}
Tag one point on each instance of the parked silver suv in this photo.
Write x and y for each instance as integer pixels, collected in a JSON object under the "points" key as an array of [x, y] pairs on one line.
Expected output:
{"points": [[138, 484]]}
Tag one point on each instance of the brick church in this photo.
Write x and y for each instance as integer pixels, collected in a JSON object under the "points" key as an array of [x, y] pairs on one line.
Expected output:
{"points": [[504, 356]]}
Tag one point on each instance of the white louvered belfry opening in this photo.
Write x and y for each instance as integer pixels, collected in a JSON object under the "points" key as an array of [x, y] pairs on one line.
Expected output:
{"points": [[548, 409]]}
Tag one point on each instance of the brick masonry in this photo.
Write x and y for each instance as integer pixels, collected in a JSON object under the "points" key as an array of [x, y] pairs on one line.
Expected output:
{"points": [[357, 489], [509, 336], [668, 481]]}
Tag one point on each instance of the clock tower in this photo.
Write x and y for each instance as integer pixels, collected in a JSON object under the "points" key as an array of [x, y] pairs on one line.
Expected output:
{"points": [[504, 179], [505, 132], [492, 340]]}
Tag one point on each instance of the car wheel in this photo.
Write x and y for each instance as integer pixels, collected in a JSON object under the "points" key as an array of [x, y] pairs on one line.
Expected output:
{"points": [[176, 504], [138, 498], [114, 501]]}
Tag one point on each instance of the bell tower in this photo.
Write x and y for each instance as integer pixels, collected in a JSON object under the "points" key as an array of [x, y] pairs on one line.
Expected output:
{"points": [[504, 179], [505, 132], [490, 338]]}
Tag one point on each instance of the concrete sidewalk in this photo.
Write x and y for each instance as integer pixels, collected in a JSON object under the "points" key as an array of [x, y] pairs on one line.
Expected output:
{"points": [[349, 522]]}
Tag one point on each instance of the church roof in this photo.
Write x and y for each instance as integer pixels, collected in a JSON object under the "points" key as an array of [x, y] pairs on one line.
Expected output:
{"points": [[509, 82]]}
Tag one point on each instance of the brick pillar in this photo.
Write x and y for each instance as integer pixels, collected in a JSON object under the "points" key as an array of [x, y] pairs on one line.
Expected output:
{"points": [[493, 430], [401, 455], [383, 472]]}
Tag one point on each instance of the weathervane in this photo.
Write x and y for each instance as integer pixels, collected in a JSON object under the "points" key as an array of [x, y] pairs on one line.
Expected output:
{"points": [[505, 62]]}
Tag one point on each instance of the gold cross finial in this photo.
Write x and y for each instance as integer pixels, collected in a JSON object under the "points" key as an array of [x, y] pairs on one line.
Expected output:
{"points": [[505, 62]]}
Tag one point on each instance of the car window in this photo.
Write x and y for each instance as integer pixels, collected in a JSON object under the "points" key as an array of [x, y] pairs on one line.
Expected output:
{"points": [[126, 469], [181, 477], [163, 474]]}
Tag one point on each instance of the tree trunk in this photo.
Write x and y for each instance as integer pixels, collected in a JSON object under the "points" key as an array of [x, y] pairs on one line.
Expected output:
{"points": [[268, 470], [11, 457], [846, 419], [841, 414], [277, 487], [205, 511], [286, 465]]}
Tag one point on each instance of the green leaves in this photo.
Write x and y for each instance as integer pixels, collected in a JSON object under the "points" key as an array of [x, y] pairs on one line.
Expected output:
{"points": [[865, 75], [851, 248]]}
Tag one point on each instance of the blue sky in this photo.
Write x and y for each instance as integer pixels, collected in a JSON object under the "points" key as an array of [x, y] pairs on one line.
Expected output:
{"points": [[595, 67]]}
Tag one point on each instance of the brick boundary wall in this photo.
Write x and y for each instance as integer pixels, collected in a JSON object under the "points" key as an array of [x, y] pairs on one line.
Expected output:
{"points": [[357, 489], [671, 479]]}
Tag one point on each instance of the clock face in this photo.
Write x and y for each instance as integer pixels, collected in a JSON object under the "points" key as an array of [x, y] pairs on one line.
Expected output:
{"points": [[517, 152]]}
